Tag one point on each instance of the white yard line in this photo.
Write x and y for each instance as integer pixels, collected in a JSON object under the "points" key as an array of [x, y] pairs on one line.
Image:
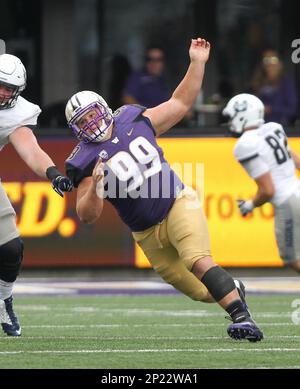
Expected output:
{"points": [[174, 350], [105, 338], [67, 311], [149, 325]]}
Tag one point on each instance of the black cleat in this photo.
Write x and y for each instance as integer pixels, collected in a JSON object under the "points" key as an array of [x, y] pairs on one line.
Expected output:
{"points": [[9, 321], [244, 327]]}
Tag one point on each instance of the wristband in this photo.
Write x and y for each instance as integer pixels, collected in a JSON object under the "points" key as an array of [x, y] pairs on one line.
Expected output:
{"points": [[52, 172]]}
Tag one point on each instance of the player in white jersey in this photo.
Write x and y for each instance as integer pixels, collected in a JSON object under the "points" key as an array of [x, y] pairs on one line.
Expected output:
{"points": [[17, 119], [263, 151]]}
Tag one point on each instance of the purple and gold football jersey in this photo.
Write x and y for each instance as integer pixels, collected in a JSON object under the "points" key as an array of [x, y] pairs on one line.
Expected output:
{"points": [[138, 181]]}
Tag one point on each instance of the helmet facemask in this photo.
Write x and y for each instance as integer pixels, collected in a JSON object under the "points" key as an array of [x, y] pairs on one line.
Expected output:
{"points": [[96, 129], [230, 126], [238, 121], [9, 102]]}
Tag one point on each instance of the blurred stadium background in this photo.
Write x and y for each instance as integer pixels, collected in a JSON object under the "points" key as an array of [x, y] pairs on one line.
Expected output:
{"points": [[69, 45]]}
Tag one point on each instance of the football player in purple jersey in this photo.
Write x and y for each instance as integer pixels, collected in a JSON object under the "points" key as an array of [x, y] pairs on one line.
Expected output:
{"points": [[119, 160]]}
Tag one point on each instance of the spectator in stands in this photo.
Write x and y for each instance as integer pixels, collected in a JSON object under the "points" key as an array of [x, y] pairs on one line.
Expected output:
{"points": [[148, 86], [276, 89]]}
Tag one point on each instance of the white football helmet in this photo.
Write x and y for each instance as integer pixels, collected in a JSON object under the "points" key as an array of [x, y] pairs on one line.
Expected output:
{"points": [[244, 111], [96, 129], [13, 76]]}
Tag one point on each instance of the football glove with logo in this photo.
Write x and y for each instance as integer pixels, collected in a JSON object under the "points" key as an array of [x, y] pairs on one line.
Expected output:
{"points": [[245, 206]]}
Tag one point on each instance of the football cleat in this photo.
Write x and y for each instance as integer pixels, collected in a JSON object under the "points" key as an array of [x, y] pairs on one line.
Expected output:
{"points": [[9, 321], [244, 327]]}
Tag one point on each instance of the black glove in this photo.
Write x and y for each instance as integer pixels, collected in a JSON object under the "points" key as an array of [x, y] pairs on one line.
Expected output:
{"points": [[60, 183]]}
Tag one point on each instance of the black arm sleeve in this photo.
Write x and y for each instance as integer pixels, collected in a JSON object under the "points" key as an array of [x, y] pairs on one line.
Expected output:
{"points": [[76, 175]]}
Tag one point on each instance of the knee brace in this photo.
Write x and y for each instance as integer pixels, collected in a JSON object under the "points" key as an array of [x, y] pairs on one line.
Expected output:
{"points": [[218, 282], [11, 255]]}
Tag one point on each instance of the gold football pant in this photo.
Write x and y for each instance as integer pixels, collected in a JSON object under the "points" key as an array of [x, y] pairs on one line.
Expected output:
{"points": [[175, 244]]}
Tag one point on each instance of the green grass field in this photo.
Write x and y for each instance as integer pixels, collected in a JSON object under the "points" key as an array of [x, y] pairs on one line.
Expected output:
{"points": [[164, 332]]}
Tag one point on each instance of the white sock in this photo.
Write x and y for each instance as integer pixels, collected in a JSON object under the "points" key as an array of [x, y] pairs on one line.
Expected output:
{"points": [[5, 289]]}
